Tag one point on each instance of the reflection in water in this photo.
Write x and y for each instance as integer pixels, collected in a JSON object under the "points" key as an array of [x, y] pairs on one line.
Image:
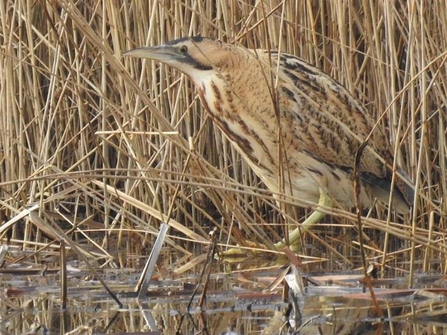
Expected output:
{"points": [[234, 305]]}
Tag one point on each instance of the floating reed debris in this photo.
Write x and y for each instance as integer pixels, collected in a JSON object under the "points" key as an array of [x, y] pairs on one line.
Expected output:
{"points": [[148, 270]]}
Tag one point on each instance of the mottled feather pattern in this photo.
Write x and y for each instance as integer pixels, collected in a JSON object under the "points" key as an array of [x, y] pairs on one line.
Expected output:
{"points": [[334, 125], [322, 127], [277, 109]]}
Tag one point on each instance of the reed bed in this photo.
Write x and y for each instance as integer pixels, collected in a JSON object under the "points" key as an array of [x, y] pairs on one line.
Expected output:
{"points": [[108, 148]]}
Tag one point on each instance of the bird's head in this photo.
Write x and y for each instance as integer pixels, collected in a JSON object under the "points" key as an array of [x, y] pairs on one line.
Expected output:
{"points": [[194, 56]]}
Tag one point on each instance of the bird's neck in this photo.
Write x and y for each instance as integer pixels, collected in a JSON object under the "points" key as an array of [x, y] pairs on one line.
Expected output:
{"points": [[240, 104]]}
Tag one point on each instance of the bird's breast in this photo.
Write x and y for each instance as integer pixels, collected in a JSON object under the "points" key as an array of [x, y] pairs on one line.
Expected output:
{"points": [[246, 116]]}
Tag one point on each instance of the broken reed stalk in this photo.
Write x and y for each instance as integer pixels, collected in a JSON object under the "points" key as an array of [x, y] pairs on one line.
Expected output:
{"points": [[74, 107]]}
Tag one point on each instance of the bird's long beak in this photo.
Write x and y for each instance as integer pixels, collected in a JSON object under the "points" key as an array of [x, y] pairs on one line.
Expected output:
{"points": [[161, 53]]}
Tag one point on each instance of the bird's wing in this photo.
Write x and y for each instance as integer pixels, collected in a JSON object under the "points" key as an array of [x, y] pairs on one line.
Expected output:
{"points": [[330, 123]]}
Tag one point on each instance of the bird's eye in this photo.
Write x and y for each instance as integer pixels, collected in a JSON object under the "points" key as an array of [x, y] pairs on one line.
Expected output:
{"points": [[184, 49]]}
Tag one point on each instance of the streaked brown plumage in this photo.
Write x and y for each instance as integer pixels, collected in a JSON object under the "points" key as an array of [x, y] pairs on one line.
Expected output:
{"points": [[252, 99]]}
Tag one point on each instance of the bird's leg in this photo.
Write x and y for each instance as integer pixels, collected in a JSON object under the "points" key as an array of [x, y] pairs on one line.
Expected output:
{"points": [[294, 236]]}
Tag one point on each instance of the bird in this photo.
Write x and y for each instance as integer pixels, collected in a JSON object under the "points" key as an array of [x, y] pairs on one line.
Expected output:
{"points": [[284, 115]]}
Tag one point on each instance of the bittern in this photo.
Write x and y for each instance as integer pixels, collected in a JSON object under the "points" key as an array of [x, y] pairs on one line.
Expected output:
{"points": [[286, 117]]}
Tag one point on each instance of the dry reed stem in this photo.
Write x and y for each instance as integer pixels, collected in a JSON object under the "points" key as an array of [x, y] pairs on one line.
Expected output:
{"points": [[94, 136]]}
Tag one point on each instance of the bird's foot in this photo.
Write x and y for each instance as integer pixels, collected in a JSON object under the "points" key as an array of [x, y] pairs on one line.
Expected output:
{"points": [[281, 245], [238, 252], [257, 249]]}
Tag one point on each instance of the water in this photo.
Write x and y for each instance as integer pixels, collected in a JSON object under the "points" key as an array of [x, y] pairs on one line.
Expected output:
{"points": [[236, 301]]}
